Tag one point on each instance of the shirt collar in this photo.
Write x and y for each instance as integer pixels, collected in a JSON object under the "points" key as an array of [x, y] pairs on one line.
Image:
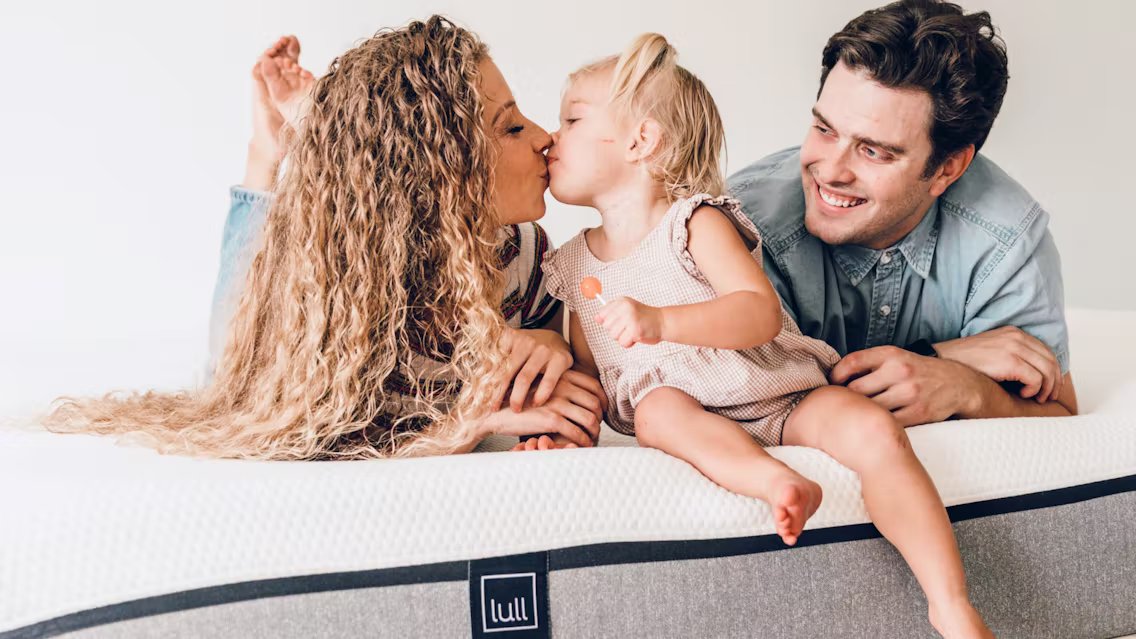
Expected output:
{"points": [[917, 247]]}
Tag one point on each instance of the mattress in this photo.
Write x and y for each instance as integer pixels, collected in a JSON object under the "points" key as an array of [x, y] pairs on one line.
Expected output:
{"points": [[99, 539]]}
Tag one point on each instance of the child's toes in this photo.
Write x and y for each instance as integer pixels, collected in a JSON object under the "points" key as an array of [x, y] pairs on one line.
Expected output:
{"points": [[781, 516]]}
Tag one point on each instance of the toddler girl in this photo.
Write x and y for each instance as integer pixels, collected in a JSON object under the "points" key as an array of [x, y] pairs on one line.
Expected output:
{"points": [[692, 347]]}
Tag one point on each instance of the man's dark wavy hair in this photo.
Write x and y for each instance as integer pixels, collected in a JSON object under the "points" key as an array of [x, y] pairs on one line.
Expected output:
{"points": [[957, 58]]}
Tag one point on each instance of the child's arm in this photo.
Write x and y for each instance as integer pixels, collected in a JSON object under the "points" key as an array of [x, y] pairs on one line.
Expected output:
{"points": [[746, 313], [581, 353]]}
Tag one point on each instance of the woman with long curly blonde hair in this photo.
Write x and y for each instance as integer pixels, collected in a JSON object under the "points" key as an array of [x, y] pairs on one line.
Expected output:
{"points": [[385, 296]]}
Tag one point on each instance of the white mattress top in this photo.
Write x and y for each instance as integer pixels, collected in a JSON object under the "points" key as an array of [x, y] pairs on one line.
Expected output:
{"points": [[87, 522]]}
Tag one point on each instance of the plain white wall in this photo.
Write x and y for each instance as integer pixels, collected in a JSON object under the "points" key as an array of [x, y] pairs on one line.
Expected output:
{"points": [[125, 122]]}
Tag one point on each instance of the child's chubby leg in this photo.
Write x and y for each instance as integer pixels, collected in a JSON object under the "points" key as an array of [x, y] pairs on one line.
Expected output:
{"points": [[899, 495], [673, 422]]}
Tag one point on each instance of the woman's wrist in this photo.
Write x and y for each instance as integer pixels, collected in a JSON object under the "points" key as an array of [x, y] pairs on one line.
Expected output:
{"points": [[480, 429], [485, 426], [260, 167]]}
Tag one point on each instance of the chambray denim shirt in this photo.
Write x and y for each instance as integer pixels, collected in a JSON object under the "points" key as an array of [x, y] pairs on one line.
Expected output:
{"points": [[981, 258], [247, 210]]}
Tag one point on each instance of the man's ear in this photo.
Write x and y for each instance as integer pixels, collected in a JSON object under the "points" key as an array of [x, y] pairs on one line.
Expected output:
{"points": [[645, 140], [951, 170]]}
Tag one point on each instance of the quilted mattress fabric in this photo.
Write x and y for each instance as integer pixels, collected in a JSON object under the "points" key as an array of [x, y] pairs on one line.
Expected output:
{"points": [[88, 523]]}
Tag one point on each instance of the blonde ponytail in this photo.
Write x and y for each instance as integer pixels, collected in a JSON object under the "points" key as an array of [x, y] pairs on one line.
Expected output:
{"points": [[648, 82], [649, 57]]}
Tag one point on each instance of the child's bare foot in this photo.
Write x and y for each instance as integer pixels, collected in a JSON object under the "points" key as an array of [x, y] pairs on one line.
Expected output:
{"points": [[959, 620], [794, 499], [288, 84]]}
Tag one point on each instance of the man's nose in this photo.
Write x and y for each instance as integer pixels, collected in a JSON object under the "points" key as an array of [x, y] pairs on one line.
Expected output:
{"points": [[835, 169]]}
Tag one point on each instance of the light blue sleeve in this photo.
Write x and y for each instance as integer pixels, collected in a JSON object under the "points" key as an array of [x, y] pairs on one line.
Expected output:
{"points": [[1025, 290], [243, 227]]}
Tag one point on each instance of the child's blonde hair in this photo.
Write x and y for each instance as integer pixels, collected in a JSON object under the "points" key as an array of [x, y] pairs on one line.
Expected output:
{"points": [[648, 82]]}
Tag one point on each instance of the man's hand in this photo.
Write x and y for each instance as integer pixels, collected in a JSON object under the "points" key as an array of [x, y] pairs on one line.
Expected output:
{"points": [[1009, 354], [916, 389]]}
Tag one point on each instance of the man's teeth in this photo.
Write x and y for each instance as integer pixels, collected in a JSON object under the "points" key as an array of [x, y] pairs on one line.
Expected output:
{"points": [[838, 201]]}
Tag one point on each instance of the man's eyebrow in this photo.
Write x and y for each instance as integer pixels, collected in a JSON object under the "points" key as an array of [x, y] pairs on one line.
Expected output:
{"points": [[817, 115], [894, 149], [504, 107]]}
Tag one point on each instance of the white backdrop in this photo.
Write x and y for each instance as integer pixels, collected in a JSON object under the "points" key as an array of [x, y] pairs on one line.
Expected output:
{"points": [[125, 122]]}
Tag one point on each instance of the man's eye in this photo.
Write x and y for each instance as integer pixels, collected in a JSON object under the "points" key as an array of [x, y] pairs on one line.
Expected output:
{"points": [[876, 154], [820, 128]]}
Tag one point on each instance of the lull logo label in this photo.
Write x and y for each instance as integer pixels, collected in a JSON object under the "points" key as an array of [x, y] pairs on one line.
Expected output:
{"points": [[508, 602], [508, 597]]}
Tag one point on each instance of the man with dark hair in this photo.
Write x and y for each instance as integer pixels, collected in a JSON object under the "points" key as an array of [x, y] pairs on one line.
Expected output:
{"points": [[889, 237]]}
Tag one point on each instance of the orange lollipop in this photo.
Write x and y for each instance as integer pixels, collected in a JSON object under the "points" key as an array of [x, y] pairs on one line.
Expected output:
{"points": [[592, 289]]}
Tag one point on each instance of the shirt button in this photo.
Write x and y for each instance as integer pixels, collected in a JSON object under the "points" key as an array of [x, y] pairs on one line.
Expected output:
{"points": [[886, 259], [885, 310]]}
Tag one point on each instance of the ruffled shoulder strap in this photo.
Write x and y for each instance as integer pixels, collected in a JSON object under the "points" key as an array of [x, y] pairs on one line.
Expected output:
{"points": [[562, 270], [680, 234]]}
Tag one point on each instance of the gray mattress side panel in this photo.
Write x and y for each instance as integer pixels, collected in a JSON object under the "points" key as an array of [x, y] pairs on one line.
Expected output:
{"points": [[437, 609], [1033, 574]]}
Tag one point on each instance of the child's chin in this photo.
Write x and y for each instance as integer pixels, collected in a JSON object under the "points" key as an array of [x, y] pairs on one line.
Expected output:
{"points": [[565, 196]]}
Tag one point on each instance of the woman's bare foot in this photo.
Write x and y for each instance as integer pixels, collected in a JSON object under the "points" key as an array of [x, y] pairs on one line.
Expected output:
{"points": [[959, 620], [267, 123], [288, 84], [794, 499]]}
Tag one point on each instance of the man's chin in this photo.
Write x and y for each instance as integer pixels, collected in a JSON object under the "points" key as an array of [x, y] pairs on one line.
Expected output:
{"points": [[829, 231]]}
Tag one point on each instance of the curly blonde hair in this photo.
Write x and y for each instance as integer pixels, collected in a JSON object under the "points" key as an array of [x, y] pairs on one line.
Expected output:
{"points": [[647, 81], [380, 251]]}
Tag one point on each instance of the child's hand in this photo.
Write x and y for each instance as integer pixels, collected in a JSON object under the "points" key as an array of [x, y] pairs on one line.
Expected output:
{"points": [[630, 322]]}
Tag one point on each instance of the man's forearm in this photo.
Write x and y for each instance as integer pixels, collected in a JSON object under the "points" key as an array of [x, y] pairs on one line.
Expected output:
{"points": [[991, 400]]}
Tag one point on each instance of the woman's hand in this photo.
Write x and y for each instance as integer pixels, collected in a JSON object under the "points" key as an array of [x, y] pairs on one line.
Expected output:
{"points": [[544, 442], [571, 415], [533, 353], [630, 322]]}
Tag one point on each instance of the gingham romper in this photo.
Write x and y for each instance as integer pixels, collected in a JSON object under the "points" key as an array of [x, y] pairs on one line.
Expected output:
{"points": [[756, 387]]}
